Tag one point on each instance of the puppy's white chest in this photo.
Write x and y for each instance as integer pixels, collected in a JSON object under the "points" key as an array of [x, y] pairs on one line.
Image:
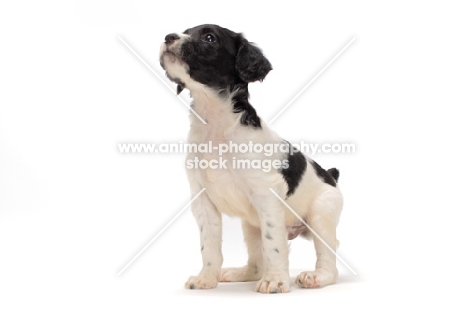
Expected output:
{"points": [[225, 189], [223, 186]]}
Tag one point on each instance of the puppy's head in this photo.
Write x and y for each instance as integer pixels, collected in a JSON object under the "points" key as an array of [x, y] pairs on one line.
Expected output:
{"points": [[212, 56]]}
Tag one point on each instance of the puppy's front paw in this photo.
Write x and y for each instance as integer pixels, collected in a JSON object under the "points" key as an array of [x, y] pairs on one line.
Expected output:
{"points": [[273, 285], [201, 282], [318, 278], [243, 274]]}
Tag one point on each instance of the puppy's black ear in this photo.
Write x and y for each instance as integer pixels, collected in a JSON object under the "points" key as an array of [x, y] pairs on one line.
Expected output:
{"points": [[251, 65]]}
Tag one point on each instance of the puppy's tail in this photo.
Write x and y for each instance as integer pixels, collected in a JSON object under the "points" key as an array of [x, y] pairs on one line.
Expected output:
{"points": [[335, 173]]}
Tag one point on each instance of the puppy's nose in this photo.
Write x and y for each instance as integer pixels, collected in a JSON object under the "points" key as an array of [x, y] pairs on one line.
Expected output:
{"points": [[171, 38]]}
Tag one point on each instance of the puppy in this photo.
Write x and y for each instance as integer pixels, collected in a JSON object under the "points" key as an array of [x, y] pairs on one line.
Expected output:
{"points": [[216, 65]]}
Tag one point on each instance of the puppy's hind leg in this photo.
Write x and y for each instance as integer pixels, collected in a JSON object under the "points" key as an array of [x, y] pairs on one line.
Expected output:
{"points": [[253, 271], [323, 218]]}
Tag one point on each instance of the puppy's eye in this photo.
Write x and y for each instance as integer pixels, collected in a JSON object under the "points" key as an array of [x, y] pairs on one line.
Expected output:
{"points": [[209, 38]]}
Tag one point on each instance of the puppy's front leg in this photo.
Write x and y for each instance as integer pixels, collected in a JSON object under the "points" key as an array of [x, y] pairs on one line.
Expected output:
{"points": [[210, 225], [274, 244], [253, 271]]}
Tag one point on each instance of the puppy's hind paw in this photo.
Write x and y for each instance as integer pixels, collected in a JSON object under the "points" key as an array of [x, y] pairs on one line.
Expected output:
{"points": [[318, 278]]}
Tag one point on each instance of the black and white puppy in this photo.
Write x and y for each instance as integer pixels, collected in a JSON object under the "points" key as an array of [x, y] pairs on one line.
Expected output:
{"points": [[216, 65]]}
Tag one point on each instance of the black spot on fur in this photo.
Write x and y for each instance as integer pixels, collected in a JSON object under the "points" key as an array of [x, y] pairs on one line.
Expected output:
{"points": [[180, 84], [268, 236], [276, 250], [180, 88], [240, 104], [269, 224], [209, 264], [202, 248], [297, 165], [323, 174], [192, 286]]}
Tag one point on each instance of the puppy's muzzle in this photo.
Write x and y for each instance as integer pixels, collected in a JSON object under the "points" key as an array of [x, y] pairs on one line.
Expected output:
{"points": [[170, 38], [170, 48], [172, 44]]}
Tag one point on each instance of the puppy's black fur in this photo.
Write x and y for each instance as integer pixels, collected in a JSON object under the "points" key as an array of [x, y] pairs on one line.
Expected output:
{"points": [[220, 58]]}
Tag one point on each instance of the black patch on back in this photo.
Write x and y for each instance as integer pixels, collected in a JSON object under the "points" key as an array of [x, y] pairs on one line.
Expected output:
{"points": [[293, 174], [323, 174]]}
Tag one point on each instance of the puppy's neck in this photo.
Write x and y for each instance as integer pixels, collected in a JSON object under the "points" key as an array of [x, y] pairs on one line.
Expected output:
{"points": [[224, 108]]}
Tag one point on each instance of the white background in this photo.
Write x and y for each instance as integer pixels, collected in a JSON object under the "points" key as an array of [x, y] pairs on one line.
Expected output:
{"points": [[73, 211]]}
